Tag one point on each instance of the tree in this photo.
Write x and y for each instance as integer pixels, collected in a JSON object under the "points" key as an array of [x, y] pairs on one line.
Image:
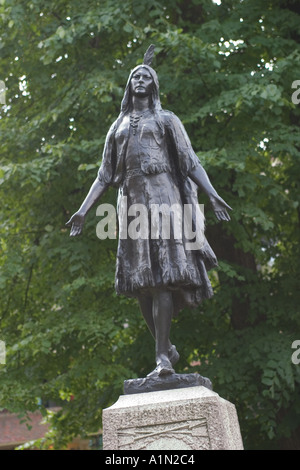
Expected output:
{"points": [[226, 69]]}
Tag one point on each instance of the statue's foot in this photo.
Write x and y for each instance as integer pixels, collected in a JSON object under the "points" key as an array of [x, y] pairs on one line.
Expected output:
{"points": [[173, 355], [164, 367]]}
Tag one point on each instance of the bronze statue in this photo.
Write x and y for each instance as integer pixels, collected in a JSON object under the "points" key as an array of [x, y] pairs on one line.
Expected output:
{"points": [[149, 157]]}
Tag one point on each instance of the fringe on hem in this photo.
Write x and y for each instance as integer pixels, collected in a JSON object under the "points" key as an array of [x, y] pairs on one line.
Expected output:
{"points": [[189, 287]]}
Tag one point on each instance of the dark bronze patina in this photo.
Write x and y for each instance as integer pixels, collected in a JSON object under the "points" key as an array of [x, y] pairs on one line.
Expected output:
{"points": [[149, 157]]}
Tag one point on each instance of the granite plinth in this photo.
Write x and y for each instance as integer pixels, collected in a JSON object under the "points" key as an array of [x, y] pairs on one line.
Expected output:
{"points": [[156, 383], [192, 418]]}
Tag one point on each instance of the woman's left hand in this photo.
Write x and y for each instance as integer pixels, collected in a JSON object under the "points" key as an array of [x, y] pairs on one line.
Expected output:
{"points": [[220, 207]]}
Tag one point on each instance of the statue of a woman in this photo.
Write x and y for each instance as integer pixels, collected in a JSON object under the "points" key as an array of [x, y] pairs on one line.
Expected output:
{"points": [[149, 157]]}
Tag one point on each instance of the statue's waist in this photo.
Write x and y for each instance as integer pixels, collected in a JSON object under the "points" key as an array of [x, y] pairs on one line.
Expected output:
{"points": [[152, 170]]}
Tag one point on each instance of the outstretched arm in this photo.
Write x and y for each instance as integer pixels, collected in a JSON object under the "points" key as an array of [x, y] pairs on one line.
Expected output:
{"points": [[101, 183], [77, 220], [190, 165], [220, 207]]}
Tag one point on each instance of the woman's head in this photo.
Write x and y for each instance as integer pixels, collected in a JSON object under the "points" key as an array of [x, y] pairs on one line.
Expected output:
{"points": [[141, 83], [147, 75]]}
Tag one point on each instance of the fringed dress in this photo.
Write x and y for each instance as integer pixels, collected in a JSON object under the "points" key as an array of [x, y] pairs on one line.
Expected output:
{"points": [[149, 159]]}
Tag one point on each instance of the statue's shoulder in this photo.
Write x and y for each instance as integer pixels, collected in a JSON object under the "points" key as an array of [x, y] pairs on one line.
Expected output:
{"points": [[168, 117], [114, 126]]}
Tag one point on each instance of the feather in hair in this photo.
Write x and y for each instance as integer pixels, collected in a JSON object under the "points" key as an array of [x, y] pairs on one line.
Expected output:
{"points": [[148, 57]]}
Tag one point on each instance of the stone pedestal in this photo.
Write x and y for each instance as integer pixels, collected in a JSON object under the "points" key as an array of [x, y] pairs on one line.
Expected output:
{"points": [[194, 418]]}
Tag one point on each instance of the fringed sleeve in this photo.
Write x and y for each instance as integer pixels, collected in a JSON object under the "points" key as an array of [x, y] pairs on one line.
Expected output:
{"points": [[187, 160], [108, 164]]}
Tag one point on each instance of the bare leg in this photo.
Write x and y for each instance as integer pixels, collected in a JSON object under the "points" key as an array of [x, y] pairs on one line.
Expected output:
{"points": [[162, 316], [147, 308], [145, 303]]}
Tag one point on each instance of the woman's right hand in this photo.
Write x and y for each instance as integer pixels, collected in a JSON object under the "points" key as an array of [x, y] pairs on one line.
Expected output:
{"points": [[76, 222]]}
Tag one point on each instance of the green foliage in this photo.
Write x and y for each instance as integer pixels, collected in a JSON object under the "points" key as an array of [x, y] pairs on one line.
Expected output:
{"points": [[227, 71]]}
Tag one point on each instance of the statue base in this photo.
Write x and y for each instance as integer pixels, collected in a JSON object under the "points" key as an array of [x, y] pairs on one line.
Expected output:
{"points": [[192, 418], [155, 383]]}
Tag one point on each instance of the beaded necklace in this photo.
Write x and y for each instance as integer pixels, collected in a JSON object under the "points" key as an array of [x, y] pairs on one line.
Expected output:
{"points": [[134, 122]]}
